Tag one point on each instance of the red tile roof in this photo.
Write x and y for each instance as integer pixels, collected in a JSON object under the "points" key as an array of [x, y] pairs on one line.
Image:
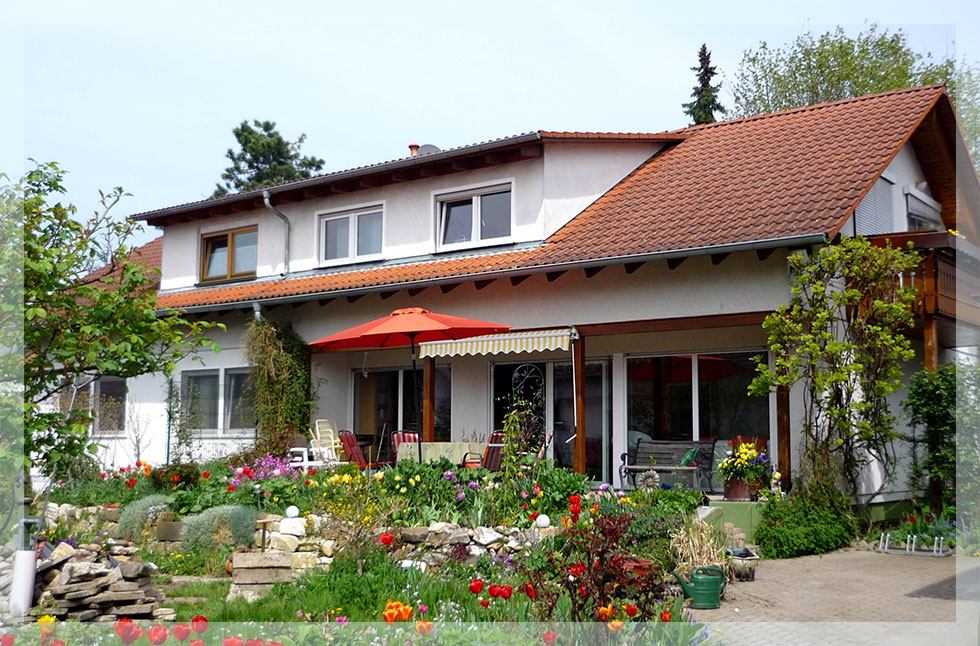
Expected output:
{"points": [[149, 254], [771, 177]]}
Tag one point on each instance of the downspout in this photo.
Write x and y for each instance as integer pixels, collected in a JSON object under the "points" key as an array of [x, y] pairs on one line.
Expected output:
{"points": [[289, 230], [257, 312]]}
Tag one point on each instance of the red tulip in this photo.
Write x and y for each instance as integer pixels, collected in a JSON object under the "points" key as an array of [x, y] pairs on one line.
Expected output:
{"points": [[312, 472], [158, 634], [484, 602], [582, 591], [530, 591], [255, 641], [128, 631], [56, 642], [176, 478], [494, 590], [7, 640], [234, 641], [196, 642], [199, 624], [182, 631], [665, 616], [575, 499], [476, 586], [231, 487], [387, 539], [631, 610], [506, 591], [549, 638], [206, 475]]}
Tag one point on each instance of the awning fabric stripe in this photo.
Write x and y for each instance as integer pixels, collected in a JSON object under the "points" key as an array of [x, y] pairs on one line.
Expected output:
{"points": [[510, 342]]}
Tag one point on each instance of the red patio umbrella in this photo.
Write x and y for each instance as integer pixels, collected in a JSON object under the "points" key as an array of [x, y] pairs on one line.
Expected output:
{"points": [[407, 327]]}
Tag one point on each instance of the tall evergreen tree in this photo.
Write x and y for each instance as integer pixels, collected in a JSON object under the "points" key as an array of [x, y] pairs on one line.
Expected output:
{"points": [[265, 158], [702, 109]]}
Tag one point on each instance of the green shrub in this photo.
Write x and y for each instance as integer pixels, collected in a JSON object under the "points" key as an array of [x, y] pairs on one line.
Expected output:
{"points": [[188, 475], [813, 520], [134, 515], [227, 524]]}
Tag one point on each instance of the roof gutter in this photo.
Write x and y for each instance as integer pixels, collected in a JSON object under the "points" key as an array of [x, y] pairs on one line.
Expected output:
{"points": [[753, 245], [289, 230]]}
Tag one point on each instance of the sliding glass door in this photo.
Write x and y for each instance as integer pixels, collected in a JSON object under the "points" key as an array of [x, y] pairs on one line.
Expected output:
{"points": [[598, 418]]}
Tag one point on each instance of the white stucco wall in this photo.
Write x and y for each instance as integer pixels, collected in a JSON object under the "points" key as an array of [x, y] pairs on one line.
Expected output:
{"points": [[546, 193]]}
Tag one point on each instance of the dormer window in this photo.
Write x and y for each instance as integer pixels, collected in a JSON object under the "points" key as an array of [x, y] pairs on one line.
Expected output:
{"points": [[474, 218], [352, 236], [229, 255]]}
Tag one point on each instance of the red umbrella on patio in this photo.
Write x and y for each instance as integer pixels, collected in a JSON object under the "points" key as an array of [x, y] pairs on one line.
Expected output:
{"points": [[407, 326]]}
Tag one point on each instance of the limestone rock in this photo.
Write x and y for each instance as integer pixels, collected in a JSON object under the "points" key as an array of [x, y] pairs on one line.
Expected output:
{"points": [[485, 536], [292, 526], [283, 542], [326, 547], [303, 560], [414, 535], [248, 592], [250, 560]]}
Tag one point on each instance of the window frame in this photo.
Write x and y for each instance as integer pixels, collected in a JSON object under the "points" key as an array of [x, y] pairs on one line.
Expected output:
{"points": [[184, 403], [443, 198], [97, 427], [225, 422], [229, 236], [352, 215]]}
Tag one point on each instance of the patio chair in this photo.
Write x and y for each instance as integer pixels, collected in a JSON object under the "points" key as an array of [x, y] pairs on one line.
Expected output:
{"points": [[492, 455], [301, 454], [396, 441], [353, 451]]}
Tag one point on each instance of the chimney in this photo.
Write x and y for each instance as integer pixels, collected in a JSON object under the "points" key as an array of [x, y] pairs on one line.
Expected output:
{"points": [[413, 150]]}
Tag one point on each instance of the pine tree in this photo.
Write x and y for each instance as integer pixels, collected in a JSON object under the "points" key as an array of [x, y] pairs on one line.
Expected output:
{"points": [[702, 109], [266, 158]]}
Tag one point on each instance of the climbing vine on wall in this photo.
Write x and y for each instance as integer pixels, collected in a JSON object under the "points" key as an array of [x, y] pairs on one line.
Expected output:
{"points": [[278, 384]]}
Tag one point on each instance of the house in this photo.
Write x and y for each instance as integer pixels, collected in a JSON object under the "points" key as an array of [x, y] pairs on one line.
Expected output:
{"points": [[645, 260]]}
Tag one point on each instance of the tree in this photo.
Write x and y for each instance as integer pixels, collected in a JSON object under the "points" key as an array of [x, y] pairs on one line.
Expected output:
{"points": [[702, 109], [265, 158], [836, 66], [82, 318], [841, 337], [931, 404]]}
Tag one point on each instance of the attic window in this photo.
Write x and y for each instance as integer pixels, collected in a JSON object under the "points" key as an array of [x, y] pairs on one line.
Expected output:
{"points": [[229, 255], [874, 213], [923, 211], [469, 219]]}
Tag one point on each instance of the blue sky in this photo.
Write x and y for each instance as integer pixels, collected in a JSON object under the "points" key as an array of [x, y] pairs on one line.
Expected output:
{"points": [[145, 95]]}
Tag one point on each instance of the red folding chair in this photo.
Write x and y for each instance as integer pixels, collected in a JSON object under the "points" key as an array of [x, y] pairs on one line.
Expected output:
{"points": [[492, 455], [353, 451], [397, 439]]}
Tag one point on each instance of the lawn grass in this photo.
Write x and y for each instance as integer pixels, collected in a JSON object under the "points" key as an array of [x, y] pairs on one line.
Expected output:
{"points": [[340, 592], [201, 589]]}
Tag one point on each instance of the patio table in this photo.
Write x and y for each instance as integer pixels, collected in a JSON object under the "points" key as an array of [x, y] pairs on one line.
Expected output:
{"points": [[432, 451]]}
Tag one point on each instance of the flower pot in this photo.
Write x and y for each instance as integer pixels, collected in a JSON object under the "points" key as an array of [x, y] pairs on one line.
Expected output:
{"points": [[739, 490]]}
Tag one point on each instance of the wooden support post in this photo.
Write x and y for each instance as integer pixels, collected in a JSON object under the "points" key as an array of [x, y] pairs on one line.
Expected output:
{"points": [[429, 400], [785, 458], [578, 359], [931, 334]]}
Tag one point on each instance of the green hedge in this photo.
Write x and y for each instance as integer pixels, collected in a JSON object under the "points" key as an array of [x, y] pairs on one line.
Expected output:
{"points": [[232, 523]]}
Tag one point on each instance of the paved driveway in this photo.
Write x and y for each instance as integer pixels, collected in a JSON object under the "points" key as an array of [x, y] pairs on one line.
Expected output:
{"points": [[853, 597]]}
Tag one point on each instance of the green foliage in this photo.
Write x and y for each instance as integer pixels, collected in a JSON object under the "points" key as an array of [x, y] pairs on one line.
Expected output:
{"points": [[100, 491], [814, 519], [279, 383], [931, 404], [224, 525], [196, 562], [89, 309], [133, 518], [835, 66], [188, 475], [702, 109], [265, 158], [968, 456], [841, 336]]}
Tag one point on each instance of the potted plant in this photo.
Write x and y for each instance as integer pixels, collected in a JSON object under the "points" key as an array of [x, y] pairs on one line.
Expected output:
{"points": [[745, 471]]}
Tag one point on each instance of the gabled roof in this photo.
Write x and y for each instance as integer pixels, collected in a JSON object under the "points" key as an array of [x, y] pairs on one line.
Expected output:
{"points": [[454, 160], [772, 180]]}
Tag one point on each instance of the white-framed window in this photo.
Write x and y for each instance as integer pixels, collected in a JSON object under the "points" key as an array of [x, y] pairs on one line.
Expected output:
{"points": [[352, 236], [924, 213], [109, 395], [474, 218], [217, 402]]}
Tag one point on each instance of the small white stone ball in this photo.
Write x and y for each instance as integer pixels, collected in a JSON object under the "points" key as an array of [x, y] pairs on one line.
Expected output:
{"points": [[292, 511], [543, 521]]}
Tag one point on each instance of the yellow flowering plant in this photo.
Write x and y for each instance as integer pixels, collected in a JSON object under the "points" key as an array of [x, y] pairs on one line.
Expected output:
{"points": [[746, 463]]}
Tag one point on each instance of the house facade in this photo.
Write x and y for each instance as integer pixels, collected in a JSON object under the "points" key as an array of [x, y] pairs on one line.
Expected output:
{"points": [[634, 269]]}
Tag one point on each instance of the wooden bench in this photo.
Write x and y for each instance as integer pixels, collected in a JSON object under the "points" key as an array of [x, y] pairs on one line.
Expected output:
{"points": [[664, 457]]}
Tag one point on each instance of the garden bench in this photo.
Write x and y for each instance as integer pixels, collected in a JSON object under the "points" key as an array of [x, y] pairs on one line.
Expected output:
{"points": [[664, 456]]}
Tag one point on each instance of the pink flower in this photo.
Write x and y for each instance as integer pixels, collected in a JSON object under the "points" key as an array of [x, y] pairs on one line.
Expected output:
{"points": [[341, 620]]}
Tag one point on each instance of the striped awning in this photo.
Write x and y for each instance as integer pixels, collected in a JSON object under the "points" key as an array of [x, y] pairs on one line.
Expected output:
{"points": [[510, 342]]}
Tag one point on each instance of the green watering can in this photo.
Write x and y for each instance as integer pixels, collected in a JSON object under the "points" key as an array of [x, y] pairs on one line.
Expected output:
{"points": [[705, 588]]}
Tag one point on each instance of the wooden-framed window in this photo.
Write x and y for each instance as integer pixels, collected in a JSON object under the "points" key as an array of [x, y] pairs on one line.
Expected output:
{"points": [[229, 255]]}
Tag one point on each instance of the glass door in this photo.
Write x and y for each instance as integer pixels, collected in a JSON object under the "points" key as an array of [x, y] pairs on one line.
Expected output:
{"points": [[598, 422]]}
